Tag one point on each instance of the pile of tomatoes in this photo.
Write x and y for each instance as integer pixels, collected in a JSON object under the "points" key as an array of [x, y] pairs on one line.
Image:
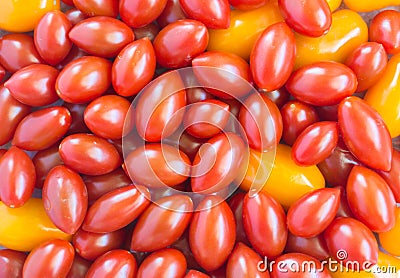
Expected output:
{"points": [[199, 138]]}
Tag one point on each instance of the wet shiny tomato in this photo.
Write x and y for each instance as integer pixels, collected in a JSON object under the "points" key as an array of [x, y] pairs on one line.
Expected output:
{"points": [[33, 85], [134, 67], [318, 207], [312, 246], [195, 274], [212, 233], [84, 79], [247, 4], [138, 13], [264, 222], [95, 7], [51, 37], [75, 15], [18, 177], [384, 29], [18, 51], [215, 14], [312, 18], [65, 198], [130, 201], [389, 240], [370, 199], [179, 42], [77, 151], [392, 177], [272, 57], [279, 96], [355, 117], [11, 263], [115, 263], [101, 36], [52, 258], [171, 13], [162, 223], [50, 125]]}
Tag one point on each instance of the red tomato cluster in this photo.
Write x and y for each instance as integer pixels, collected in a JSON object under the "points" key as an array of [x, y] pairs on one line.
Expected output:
{"points": [[287, 106]]}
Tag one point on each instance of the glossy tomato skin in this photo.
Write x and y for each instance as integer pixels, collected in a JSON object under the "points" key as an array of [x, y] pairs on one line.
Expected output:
{"points": [[206, 118], [318, 207], [92, 245], [138, 13], [75, 15], [148, 165], [65, 198], [53, 258], [33, 85], [312, 246], [215, 14], [264, 222], [97, 116], [243, 262], [115, 263], [18, 51], [163, 263], [389, 239], [216, 81], [50, 125], [315, 143], [72, 83], [384, 29], [229, 152], [162, 223], [171, 13], [272, 57], [94, 7], [51, 37], [315, 84], [355, 238], [97, 36], [75, 152], [11, 113], [18, 177], [212, 243], [11, 263], [279, 96], [290, 265], [262, 122], [298, 16], [392, 177], [179, 42], [195, 274], [130, 201], [355, 117], [247, 4], [370, 199], [149, 31], [296, 116], [368, 61], [79, 267], [97, 186], [134, 67]]}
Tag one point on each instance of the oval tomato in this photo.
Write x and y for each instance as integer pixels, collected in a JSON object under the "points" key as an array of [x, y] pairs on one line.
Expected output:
{"points": [[370, 199], [134, 67], [130, 201], [162, 223], [322, 83], [215, 14], [52, 258], [95, 7], [138, 13], [11, 114], [18, 177], [34, 85], [212, 233], [115, 263], [311, 18], [264, 222], [101, 36], [384, 28], [349, 240], [18, 51], [50, 125], [11, 263], [179, 42], [51, 37], [76, 152], [389, 239], [272, 57], [318, 207], [65, 198], [315, 143], [84, 79], [361, 126]]}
